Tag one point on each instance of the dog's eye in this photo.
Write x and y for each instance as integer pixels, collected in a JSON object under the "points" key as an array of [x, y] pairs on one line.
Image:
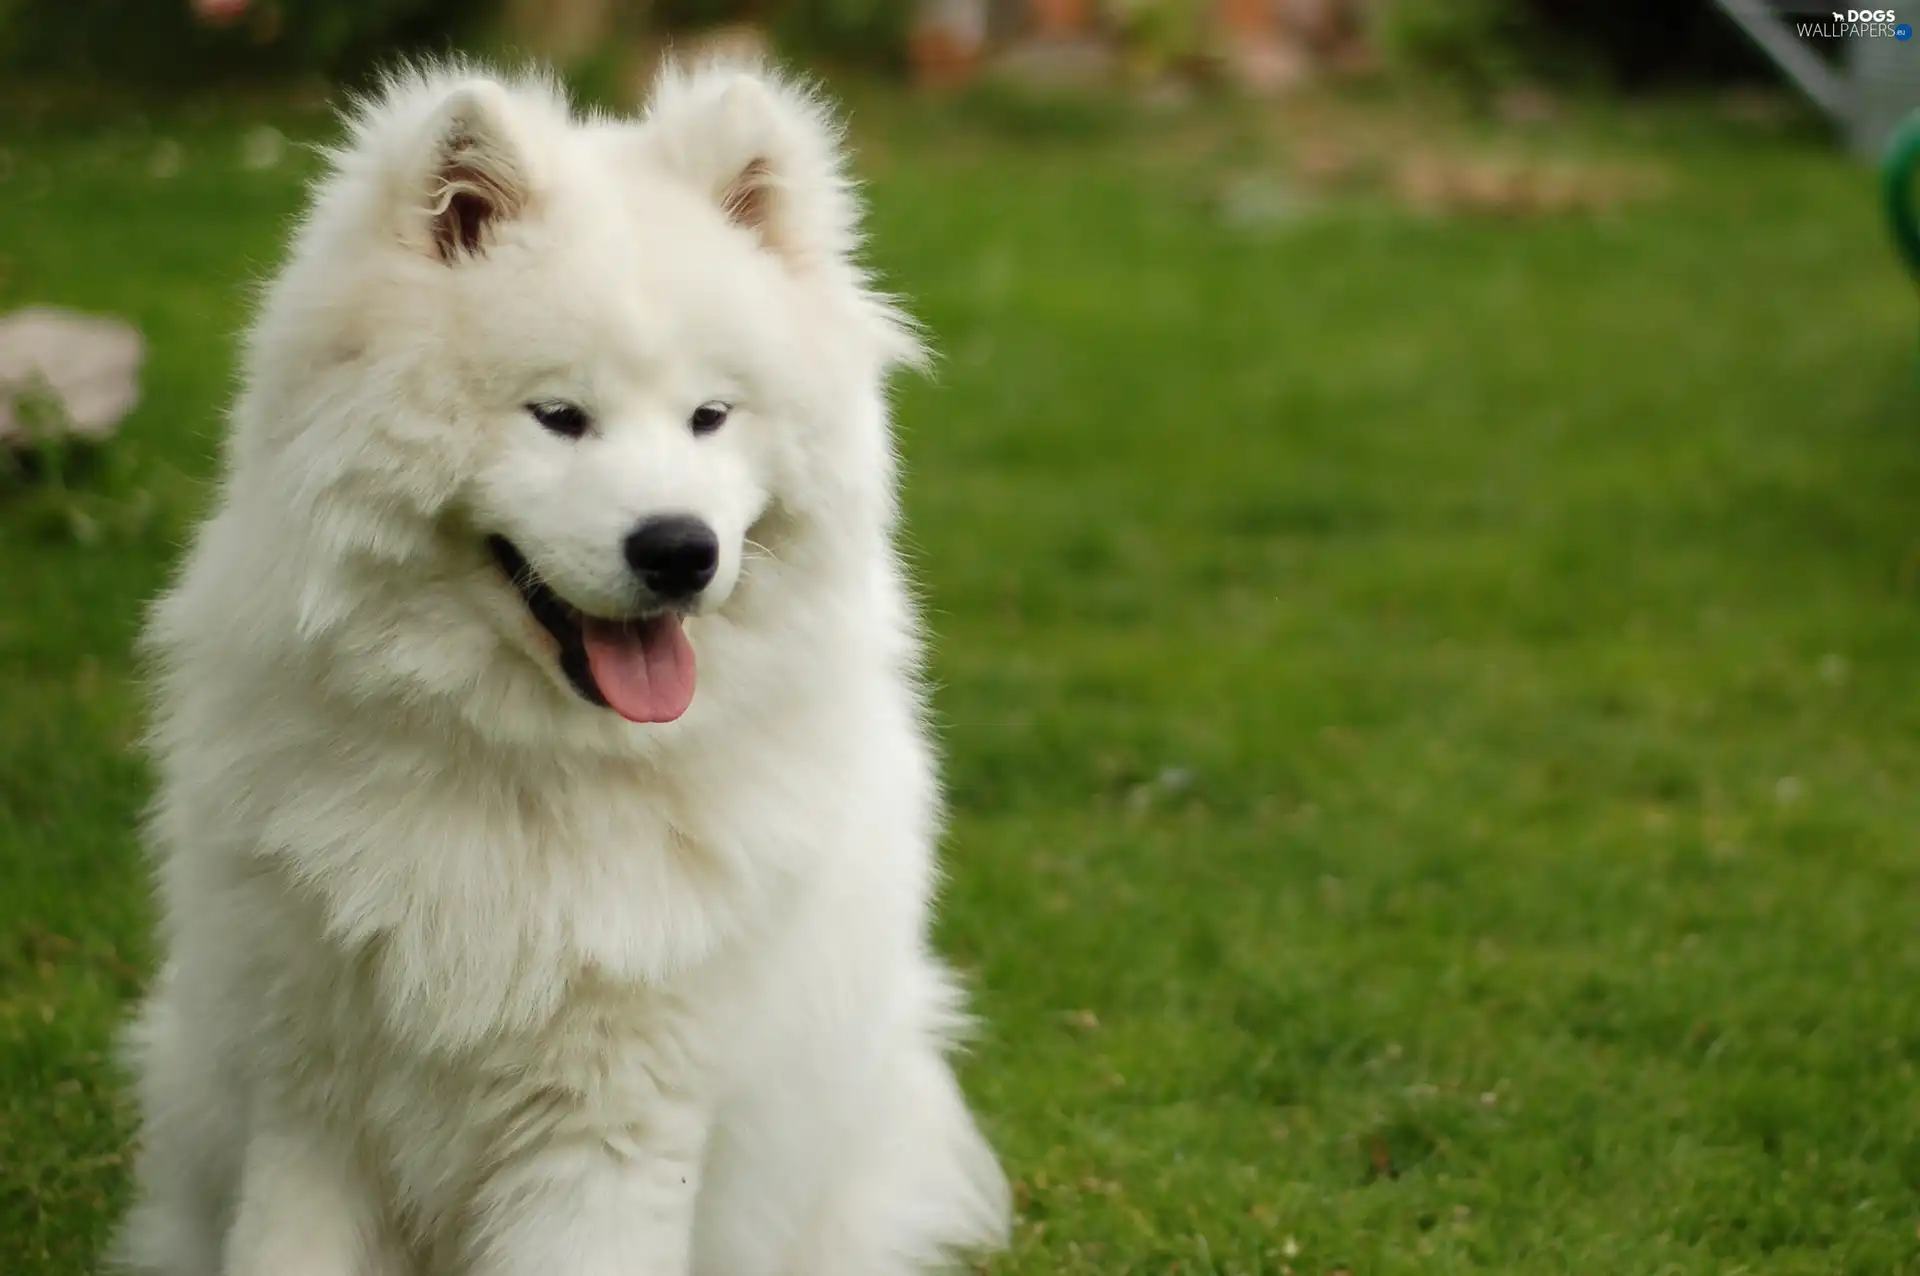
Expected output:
{"points": [[568, 420], [709, 417]]}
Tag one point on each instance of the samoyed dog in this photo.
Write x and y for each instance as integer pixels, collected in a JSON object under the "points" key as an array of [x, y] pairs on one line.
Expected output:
{"points": [[546, 816]]}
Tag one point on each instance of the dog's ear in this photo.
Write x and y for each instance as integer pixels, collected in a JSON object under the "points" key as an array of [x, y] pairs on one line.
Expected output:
{"points": [[477, 172], [766, 152]]}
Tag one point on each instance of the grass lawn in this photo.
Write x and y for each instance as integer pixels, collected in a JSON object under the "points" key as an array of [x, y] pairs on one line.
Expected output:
{"points": [[1432, 707]]}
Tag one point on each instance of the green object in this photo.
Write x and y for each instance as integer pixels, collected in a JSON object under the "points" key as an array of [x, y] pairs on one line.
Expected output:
{"points": [[1896, 183]]}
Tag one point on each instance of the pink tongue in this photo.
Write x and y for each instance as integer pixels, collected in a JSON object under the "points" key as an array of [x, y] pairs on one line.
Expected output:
{"points": [[644, 670]]}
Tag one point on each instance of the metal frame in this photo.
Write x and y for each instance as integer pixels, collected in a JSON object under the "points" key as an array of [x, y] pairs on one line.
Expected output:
{"points": [[1875, 87]]}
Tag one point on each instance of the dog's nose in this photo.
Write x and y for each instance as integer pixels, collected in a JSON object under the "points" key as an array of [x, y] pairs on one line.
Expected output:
{"points": [[674, 555]]}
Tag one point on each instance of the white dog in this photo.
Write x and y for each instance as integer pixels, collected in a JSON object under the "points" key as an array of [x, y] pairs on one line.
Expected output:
{"points": [[500, 941]]}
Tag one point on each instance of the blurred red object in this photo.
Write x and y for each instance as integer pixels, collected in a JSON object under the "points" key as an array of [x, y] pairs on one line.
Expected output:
{"points": [[220, 13], [947, 41], [1062, 17], [940, 59]]}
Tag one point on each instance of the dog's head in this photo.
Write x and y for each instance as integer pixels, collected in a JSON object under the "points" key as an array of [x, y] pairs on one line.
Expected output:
{"points": [[613, 363]]}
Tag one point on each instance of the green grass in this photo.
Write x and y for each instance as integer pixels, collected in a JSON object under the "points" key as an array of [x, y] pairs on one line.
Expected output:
{"points": [[1432, 707]]}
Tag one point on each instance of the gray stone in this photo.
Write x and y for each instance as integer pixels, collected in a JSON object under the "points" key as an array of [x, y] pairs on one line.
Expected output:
{"points": [[85, 368]]}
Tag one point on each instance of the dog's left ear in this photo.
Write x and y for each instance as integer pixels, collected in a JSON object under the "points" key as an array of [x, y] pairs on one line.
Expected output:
{"points": [[764, 151]]}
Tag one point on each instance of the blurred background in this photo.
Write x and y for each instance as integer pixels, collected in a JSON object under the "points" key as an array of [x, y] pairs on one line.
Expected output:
{"points": [[1417, 518]]}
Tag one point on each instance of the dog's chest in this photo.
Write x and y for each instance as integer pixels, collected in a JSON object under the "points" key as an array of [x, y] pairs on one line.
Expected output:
{"points": [[477, 919]]}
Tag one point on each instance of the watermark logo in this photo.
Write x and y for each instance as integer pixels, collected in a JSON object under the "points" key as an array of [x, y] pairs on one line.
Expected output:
{"points": [[1858, 24]]}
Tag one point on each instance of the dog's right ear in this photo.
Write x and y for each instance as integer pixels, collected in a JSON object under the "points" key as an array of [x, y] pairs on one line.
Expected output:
{"points": [[477, 176]]}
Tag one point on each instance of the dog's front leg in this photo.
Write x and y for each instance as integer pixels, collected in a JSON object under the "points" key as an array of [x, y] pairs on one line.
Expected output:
{"points": [[603, 1203], [305, 1209]]}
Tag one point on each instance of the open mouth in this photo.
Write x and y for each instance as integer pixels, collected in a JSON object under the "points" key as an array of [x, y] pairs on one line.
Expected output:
{"points": [[640, 667]]}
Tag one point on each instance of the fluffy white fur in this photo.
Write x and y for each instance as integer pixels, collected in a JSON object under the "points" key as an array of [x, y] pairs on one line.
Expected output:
{"points": [[465, 974]]}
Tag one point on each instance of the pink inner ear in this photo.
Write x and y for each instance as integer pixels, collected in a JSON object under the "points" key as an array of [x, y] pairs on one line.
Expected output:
{"points": [[469, 199], [457, 229], [748, 201]]}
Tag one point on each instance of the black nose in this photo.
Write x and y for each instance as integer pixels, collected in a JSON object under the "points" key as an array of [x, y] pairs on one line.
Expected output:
{"points": [[674, 555]]}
